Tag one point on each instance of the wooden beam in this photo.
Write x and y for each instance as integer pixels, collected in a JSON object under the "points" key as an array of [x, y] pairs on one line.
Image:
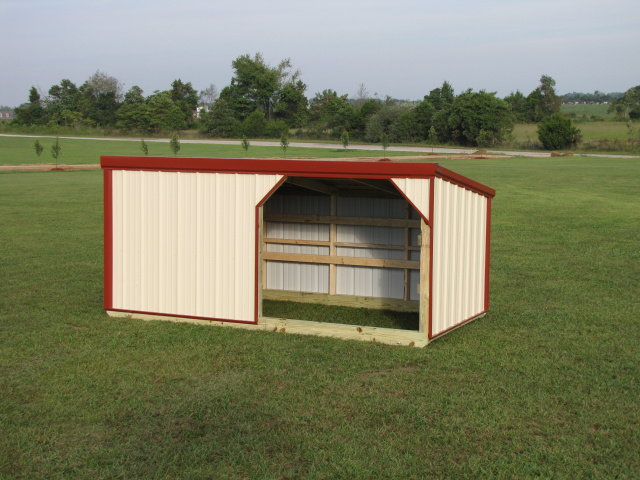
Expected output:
{"points": [[425, 268], [310, 184], [329, 219], [290, 241], [340, 260], [388, 336], [324, 243], [333, 250], [383, 185]]}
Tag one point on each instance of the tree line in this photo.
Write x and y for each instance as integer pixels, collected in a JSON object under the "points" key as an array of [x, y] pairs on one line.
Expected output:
{"points": [[266, 101]]}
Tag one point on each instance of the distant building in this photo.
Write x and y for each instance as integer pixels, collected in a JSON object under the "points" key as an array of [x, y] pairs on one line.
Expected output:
{"points": [[6, 114]]}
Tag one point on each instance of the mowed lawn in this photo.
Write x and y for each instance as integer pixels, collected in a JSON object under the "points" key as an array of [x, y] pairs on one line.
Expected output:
{"points": [[19, 150], [589, 130], [547, 384]]}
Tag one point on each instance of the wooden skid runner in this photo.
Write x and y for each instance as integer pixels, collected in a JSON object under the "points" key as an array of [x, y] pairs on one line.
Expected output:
{"points": [[387, 336]]}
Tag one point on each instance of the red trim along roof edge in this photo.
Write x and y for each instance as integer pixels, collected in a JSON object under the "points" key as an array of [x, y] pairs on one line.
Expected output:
{"points": [[304, 168]]}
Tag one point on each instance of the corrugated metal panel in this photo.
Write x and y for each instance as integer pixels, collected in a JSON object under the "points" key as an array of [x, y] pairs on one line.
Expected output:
{"points": [[184, 243], [370, 281], [299, 277], [417, 191], [459, 241], [370, 207]]}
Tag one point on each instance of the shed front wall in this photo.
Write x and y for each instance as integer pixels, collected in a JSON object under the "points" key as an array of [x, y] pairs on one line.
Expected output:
{"points": [[459, 264], [185, 243]]}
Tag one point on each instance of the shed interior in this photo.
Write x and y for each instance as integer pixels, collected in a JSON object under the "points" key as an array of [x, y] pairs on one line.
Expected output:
{"points": [[343, 242]]}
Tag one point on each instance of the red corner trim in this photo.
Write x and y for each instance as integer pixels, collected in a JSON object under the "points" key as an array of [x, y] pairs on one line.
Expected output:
{"points": [[108, 239], [431, 208], [486, 258]]}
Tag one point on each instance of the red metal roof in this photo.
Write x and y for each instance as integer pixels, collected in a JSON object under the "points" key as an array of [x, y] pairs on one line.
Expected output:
{"points": [[296, 168]]}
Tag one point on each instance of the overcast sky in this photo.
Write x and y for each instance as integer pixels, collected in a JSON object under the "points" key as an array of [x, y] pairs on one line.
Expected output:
{"points": [[401, 48]]}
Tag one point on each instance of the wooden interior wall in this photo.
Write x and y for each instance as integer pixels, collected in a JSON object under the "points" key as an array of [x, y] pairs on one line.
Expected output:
{"points": [[406, 255]]}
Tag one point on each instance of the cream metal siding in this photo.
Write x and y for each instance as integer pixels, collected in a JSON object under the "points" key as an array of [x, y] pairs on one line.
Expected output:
{"points": [[184, 243], [459, 255], [417, 191]]}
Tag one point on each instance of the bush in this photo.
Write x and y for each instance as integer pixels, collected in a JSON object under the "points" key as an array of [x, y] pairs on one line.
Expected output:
{"points": [[557, 132], [276, 129]]}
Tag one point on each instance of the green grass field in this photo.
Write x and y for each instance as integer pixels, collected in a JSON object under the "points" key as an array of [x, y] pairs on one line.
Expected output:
{"points": [[76, 151], [589, 130], [587, 111], [546, 385]]}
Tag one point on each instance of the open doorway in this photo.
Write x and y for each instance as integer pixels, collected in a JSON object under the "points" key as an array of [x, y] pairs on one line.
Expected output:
{"points": [[341, 250]]}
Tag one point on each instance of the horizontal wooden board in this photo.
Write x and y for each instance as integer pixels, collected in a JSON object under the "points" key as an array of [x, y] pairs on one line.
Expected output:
{"points": [[329, 219], [341, 260], [388, 336]]}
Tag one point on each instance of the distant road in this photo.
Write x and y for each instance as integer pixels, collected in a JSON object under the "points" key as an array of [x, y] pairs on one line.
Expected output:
{"points": [[413, 149]]}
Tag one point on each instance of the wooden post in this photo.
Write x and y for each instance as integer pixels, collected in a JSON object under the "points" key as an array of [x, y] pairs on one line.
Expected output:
{"points": [[407, 243], [333, 250], [425, 269], [262, 264]]}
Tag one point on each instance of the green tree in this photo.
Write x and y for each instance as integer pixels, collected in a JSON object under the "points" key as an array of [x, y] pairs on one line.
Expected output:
{"points": [[185, 97], [369, 107], [134, 95], [543, 101], [256, 85], [208, 96], [344, 138], [220, 121], [480, 116], [550, 102], [174, 143], [432, 138], [134, 113], [629, 104], [164, 114], [255, 125], [245, 145], [134, 117], [144, 147], [56, 150], [332, 114], [407, 128], [101, 83], [284, 143], [557, 132], [388, 121], [37, 146], [518, 104], [291, 104], [384, 140], [65, 96], [441, 98], [31, 113]]}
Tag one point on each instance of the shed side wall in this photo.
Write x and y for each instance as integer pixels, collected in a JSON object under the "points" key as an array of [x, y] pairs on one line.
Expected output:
{"points": [[459, 255], [184, 243]]}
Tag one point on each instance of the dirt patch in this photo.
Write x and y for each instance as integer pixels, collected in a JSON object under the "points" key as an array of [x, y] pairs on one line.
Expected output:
{"points": [[40, 167]]}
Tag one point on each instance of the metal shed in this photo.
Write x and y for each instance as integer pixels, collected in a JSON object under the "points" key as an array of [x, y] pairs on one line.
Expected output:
{"points": [[206, 240]]}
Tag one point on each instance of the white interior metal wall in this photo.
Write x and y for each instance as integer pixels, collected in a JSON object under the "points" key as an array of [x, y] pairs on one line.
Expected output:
{"points": [[459, 255], [350, 280], [299, 277], [184, 243]]}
